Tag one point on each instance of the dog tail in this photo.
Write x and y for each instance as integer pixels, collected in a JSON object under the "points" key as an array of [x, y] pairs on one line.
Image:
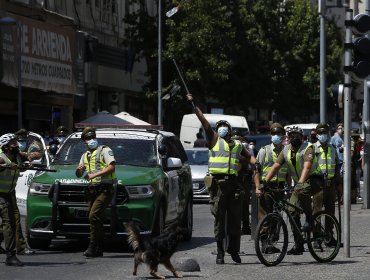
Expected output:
{"points": [[133, 236]]}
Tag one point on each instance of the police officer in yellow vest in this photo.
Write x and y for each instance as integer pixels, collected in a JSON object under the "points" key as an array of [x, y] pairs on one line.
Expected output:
{"points": [[97, 165], [328, 162], [302, 167], [10, 161], [224, 156], [266, 157]]}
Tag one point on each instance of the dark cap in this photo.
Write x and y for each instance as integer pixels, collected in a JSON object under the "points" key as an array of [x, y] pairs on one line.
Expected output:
{"points": [[21, 134], [322, 127], [275, 127], [223, 123], [61, 130], [88, 132]]}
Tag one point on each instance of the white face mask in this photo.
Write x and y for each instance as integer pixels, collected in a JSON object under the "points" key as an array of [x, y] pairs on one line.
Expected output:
{"points": [[251, 147], [92, 144], [222, 131]]}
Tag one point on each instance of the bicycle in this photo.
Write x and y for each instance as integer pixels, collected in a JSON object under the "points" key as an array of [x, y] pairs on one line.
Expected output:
{"points": [[271, 241]]}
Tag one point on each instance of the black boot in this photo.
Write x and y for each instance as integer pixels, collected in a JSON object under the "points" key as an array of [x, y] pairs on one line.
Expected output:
{"points": [[308, 225], [233, 249], [220, 253], [91, 251], [297, 249], [12, 260], [246, 229]]}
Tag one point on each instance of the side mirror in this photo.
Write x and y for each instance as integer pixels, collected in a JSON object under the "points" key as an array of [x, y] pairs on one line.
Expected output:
{"points": [[53, 149], [162, 150]]}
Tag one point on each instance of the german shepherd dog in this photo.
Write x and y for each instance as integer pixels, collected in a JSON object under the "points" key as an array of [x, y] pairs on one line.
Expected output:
{"points": [[152, 250]]}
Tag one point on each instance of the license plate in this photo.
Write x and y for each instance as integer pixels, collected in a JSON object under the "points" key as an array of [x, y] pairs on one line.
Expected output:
{"points": [[195, 186], [81, 213]]}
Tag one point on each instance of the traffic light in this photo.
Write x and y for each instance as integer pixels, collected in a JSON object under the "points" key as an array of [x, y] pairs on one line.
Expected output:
{"points": [[337, 91], [361, 46]]}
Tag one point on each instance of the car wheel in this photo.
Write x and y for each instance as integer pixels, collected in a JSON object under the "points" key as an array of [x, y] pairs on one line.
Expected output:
{"points": [[188, 221], [38, 243], [159, 225]]}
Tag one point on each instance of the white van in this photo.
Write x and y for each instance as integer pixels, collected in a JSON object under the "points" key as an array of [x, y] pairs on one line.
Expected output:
{"points": [[190, 126]]}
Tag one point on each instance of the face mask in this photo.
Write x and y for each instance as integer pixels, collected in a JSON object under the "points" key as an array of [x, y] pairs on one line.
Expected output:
{"points": [[61, 139], [222, 131], [251, 147], [296, 142], [323, 138], [276, 139], [92, 144], [22, 146], [340, 131]]}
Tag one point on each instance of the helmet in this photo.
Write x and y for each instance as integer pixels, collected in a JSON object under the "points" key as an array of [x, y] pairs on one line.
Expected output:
{"points": [[61, 131], [88, 132], [322, 127], [292, 129], [22, 134], [6, 138], [276, 127], [223, 123]]}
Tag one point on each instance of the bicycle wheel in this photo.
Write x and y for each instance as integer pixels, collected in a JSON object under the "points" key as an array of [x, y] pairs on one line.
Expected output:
{"points": [[324, 244], [271, 240]]}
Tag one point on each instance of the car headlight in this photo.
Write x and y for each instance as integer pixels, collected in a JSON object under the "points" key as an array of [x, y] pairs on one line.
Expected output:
{"points": [[37, 188], [140, 191]]}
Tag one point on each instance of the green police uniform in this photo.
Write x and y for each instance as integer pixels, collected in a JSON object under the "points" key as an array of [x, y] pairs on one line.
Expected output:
{"points": [[100, 192]]}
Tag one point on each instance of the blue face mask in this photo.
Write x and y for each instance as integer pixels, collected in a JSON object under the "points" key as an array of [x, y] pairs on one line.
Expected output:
{"points": [[92, 144], [322, 138], [276, 139], [222, 131], [22, 146], [61, 139]]}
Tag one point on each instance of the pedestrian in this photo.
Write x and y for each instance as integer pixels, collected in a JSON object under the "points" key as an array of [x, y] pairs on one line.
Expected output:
{"points": [[302, 167], [338, 142], [252, 147], [97, 165], [200, 142], [10, 161], [266, 157], [224, 158], [328, 163]]}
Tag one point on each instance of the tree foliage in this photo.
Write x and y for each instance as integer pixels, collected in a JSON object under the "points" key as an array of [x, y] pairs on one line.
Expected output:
{"points": [[242, 53]]}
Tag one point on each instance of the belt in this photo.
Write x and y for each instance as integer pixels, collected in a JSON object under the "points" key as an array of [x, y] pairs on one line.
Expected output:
{"points": [[103, 186], [223, 176]]}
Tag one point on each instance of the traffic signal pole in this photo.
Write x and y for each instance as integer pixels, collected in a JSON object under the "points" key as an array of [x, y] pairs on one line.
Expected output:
{"points": [[347, 132]]}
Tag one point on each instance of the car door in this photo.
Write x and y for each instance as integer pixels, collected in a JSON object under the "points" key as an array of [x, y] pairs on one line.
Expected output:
{"points": [[25, 177]]}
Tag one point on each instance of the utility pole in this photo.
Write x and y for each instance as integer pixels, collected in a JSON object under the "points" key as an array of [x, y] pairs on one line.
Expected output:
{"points": [[322, 4], [159, 62]]}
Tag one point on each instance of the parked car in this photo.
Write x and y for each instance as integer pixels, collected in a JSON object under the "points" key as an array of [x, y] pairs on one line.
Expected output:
{"points": [[154, 188], [25, 177], [198, 161]]}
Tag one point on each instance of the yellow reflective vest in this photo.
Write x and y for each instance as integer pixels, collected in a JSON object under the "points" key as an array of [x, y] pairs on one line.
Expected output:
{"points": [[222, 160], [268, 162], [326, 161], [9, 177], [296, 170], [96, 163]]}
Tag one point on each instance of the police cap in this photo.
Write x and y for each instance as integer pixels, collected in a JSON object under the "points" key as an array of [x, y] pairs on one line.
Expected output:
{"points": [[88, 132], [61, 131], [21, 134], [276, 127], [322, 127]]}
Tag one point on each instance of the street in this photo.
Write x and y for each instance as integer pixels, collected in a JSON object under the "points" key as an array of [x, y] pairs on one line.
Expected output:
{"points": [[65, 261]]}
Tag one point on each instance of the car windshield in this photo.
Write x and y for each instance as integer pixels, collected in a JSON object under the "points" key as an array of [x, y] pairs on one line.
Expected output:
{"points": [[197, 157], [138, 152]]}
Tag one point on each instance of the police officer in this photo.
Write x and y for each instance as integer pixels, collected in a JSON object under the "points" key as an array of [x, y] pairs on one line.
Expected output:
{"points": [[266, 157], [224, 156], [328, 162], [302, 167], [59, 137], [32, 148], [10, 160], [97, 165]]}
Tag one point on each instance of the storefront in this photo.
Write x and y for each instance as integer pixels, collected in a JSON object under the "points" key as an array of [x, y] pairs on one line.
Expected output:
{"points": [[52, 74]]}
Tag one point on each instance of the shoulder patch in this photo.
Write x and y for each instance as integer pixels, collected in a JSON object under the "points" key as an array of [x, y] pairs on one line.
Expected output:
{"points": [[110, 153]]}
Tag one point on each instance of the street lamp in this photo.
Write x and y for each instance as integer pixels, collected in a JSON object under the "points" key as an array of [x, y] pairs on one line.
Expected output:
{"points": [[9, 21]]}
